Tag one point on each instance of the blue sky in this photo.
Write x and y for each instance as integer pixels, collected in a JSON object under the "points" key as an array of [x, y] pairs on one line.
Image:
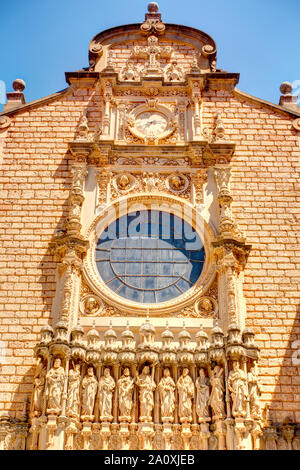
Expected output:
{"points": [[40, 40]]}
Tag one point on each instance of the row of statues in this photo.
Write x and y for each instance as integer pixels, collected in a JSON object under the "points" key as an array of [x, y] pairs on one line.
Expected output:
{"points": [[205, 394]]}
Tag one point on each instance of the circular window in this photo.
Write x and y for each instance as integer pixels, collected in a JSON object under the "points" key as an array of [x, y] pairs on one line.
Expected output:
{"points": [[149, 256]]}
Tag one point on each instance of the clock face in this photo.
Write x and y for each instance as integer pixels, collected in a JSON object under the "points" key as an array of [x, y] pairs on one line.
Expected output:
{"points": [[151, 124]]}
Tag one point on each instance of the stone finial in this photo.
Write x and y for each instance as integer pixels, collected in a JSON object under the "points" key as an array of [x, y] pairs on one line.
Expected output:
{"points": [[19, 85], [153, 23], [287, 99], [16, 97], [153, 7]]}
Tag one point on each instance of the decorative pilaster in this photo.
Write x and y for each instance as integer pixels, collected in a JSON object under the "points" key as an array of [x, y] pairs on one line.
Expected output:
{"points": [[231, 253], [196, 97], [68, 244]]}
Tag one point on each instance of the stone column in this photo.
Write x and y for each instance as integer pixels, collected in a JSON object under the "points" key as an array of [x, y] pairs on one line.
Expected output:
{"points": [[69, 248], [231, 253]]}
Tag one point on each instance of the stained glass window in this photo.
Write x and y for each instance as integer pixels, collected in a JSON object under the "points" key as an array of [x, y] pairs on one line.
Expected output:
{"points": [[149, 256]]}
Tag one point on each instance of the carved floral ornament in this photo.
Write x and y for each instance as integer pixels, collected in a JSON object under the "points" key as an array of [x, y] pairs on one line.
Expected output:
{"points": [[169, 203]]}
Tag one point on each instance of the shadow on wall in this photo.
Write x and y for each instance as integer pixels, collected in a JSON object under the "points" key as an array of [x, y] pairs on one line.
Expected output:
{"points": [[282, 416]]}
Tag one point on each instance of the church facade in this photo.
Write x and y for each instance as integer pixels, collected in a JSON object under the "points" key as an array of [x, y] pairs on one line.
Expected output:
{"points": [[149, 254]]}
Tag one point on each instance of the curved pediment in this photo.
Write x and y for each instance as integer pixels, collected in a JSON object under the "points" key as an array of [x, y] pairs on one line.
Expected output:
{"points": [[116, 46]]}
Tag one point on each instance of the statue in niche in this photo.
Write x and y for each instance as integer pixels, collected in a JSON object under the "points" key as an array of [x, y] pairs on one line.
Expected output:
{"points": [[125, 386], [237, 385], [216, 399], [106, 389], [254, 393], [73, 401], [39, 384], [202, 397], [146, 385], [55, 385], [88, 392], [166, 388], [186, 390]]}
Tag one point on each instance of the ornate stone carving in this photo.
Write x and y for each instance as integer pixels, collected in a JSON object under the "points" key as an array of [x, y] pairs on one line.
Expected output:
{"points": [[216, 399], [88, 392], [237, 385], [254, 394], [153, 23], [129, 72], [106, 388], [158, 400], [174, 73], [125, 387], [55, 380], [166, 389], [296, 124], [123, 183], [177, 183], [186, 391], [146, 386], [83, 133], [91, 305], [39, 386], [202, 397], [206, 307], [153, 51], [5, 122], [73, 401]]}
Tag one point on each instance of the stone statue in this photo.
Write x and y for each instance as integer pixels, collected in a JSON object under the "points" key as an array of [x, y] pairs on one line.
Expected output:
{"points": [[186, 390], [88, 392], [254, 393], [166, 388], [39, 384], [125, 387], [202, 397], [146, 385], [55, 385], [73, 401], [237, 385], [216, 399], [106, 388]]}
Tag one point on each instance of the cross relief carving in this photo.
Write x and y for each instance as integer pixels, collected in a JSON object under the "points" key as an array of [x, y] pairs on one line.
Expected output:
{"points": [[153, 51]]}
